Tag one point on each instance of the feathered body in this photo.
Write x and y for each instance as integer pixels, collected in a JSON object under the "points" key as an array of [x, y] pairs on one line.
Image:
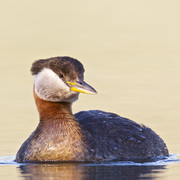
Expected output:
{"points": [[87, 136]]}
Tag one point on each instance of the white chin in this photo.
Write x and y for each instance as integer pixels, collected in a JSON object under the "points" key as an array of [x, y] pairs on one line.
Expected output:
{"points": [[68, 98], [49, 87]]}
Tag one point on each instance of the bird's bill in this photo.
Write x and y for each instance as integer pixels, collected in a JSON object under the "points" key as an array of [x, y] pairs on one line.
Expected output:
{"points": [[82, 87]]}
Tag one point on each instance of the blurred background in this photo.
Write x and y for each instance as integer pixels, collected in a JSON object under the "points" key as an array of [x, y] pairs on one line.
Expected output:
{"points": [[130, 50]]}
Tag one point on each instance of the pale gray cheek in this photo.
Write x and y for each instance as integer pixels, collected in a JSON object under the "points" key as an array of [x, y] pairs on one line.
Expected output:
{"points": [[41, 92], [56, 95], [71, 97], [50, 88]]}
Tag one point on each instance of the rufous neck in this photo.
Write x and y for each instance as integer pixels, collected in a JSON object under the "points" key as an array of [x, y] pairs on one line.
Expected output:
{"points": [[52, 110]]}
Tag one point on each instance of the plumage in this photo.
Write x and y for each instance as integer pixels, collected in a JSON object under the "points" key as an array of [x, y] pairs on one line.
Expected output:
{"points": [[118, 138], [87, 136]]}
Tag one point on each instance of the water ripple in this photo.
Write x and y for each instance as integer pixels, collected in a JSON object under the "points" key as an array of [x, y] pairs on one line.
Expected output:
{"points": [[173, 158]]}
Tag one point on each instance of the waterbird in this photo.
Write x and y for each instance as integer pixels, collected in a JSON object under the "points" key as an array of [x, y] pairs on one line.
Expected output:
{"points": [[87, 136]]}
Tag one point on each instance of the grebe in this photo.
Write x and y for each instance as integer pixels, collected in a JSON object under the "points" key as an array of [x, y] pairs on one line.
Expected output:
{"points": [[87, 136]]}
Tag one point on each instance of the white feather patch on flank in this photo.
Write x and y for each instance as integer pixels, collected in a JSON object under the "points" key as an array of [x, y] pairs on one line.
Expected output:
{"points": [[50, 87]]}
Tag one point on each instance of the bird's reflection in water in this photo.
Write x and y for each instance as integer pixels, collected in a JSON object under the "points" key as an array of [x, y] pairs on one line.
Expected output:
{"points": [[73, 171]]}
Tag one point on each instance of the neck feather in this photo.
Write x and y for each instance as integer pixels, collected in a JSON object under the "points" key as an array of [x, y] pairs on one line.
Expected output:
{"points": [[52, 110], [58, 136]]}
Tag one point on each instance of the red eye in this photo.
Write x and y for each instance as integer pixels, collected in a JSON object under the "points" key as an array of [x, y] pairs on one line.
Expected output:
{"points": [[61, 75]]}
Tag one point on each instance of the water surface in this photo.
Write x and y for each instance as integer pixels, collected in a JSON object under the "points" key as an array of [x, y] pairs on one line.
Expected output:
{"points": [[111, 170]]}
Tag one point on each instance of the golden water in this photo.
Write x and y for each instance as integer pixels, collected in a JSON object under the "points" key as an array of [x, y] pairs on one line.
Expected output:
{"points": [[130, 50]]}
